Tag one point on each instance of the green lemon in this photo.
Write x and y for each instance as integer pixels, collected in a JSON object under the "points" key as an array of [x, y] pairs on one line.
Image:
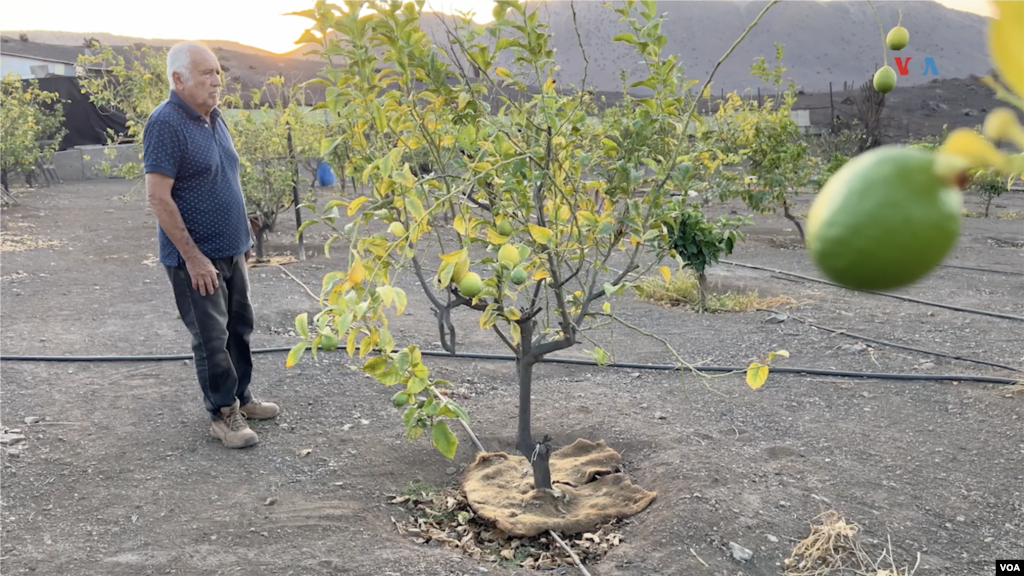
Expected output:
{"points": [[518, 276], [884, 220], [898, 38], [509, 254], [505, 227], [885, 79], [400, 399], [471, 285]]}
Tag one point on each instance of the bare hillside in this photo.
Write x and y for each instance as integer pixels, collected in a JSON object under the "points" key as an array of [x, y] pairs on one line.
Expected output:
{"points": [[824, 41], [78, 39]]}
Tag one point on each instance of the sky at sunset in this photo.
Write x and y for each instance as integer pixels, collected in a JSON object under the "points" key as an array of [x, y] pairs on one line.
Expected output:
{"points": [[258, 23]]}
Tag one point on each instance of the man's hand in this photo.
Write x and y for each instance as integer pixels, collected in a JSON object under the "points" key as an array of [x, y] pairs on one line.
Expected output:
{"points": [[203, 274]]}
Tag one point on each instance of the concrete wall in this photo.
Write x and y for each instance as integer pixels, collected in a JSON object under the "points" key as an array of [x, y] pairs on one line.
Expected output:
{"points": [[22, 66]]}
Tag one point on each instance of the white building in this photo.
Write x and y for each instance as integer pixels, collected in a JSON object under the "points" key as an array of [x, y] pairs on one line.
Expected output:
{"points": [[35, 60]]}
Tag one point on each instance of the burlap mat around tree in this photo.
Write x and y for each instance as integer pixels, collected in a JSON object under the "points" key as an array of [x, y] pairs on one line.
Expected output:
{"points": [[588, 488]]}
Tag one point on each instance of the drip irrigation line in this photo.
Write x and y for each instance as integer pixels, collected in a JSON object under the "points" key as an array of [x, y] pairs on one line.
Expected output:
{"points": [[976, 269], [569, 361], [891, 344], [890, 295]]}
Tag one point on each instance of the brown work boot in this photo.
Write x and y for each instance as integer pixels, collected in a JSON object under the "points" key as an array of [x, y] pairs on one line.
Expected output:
{"points": [[256, 410], [232, 429]]}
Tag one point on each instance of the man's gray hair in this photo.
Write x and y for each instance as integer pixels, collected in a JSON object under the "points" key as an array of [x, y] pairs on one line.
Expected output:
{"points": [[179, 57]]}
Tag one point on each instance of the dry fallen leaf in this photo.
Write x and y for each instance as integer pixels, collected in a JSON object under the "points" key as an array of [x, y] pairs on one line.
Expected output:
{"points": [[304, 452]]}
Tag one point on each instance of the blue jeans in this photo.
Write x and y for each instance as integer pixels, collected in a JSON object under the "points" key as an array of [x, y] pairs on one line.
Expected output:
{"points": [[221, 325]]}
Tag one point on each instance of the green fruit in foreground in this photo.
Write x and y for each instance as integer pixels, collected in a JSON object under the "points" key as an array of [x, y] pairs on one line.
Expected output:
{"points": [[509, 254], [898, 38], [885, 79], [505, 228], [471, 285], [884, 220], [518, 276]]}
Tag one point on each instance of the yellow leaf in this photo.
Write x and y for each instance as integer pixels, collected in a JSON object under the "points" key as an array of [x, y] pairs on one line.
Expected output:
{"points": [[400, 301], [364, 346], [540, 234], [665, 273], [757, 374], [515, 332], [356, 204], [461, 224], [494, 238], [1006, 44], [549, 85], [387, 294], [512, 314], [503, 72], [350, 345], [964, 149], [482, 166], [541, 275], [356, 274], [463, 100], [448, 141], [607, 307], [397, 229]]}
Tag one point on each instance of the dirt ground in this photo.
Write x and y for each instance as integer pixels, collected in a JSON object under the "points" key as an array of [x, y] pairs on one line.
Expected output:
{"points": [[121, 476]]}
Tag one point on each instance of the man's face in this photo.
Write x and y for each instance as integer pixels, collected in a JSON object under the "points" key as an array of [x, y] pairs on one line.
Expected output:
{"points": [[202, 90]]}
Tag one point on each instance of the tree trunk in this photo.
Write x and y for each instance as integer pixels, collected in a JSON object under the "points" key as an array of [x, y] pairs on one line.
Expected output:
{"points": [[538, 453], [702, 290], [988, 203], [261, 236], [789, 216]]}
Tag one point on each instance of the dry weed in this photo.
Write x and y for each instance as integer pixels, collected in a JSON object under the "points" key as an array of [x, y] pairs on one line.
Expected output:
{"points": [[683, 290], [833, 548], [11, 242]]}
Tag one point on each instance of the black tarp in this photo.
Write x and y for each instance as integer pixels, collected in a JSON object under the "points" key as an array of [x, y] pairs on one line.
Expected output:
{"points": [[86, 124]]}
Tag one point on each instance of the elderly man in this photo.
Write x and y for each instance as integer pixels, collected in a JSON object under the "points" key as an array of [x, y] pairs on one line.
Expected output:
{"points": [[204, 237]]}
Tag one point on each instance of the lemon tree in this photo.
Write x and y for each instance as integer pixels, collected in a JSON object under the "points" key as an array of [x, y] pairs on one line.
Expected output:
{"points": [[268, 165], [552, 210], [28, 116], [778, 157]]}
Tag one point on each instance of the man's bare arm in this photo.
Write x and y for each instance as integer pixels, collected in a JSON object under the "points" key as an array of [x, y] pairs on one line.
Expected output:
{"points": [[202, 271]]}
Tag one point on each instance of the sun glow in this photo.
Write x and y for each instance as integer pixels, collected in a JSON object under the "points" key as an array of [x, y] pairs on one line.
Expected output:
{"points": [[258, 23]]}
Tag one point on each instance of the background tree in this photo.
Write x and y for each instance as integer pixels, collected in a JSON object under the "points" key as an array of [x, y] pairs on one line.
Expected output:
{"points": [[31, 121], [543, 200], [274, 139], [775, 149]]}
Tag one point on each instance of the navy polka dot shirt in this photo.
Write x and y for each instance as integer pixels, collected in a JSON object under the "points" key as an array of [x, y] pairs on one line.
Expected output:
{"points": [[178, 142]]}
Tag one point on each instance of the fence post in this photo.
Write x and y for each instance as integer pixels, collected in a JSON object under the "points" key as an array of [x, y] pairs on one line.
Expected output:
{"points": [[831, 107]]}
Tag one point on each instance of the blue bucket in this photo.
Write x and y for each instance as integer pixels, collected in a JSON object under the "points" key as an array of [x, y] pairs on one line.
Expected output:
{"points": [[324, 175]]}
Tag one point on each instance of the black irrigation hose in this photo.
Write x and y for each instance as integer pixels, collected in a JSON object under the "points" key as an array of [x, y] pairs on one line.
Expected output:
{"points": [[897, 296], [893, 344], [572, 361], [976, 269]]}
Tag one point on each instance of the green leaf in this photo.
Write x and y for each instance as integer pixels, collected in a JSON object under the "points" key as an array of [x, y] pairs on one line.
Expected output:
{"points": [[443, 439], [625, 37], [295, 354], [302, 324]]}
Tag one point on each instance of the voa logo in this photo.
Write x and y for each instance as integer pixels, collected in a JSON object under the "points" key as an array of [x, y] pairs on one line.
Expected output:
{"points": [[903, 66]]}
